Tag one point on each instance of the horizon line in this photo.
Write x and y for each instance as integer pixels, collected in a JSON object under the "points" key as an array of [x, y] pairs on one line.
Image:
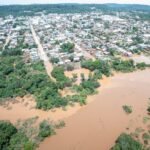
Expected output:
{"points": [[74, 3]]}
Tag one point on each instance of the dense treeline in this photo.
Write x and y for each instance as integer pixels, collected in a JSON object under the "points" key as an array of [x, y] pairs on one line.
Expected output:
{"points": [[103, 67], [123, 65], [18, 79], [30, 10], [12, 52]]}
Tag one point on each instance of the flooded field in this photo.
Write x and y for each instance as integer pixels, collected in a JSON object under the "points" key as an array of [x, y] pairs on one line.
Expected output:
{"points": [[97, 125]]}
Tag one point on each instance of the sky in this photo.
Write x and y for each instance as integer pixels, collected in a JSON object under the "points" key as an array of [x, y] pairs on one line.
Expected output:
{"points": [[7, 2]]}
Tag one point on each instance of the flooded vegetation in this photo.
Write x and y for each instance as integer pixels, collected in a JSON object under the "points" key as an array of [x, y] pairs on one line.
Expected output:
{"points": [[109, 96], [104, 119]]}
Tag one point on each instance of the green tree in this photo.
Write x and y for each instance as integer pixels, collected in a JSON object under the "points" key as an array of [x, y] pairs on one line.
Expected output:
{"points": [[7, 130], [123, 65], [54, 60], [126, 142], [46, 129], [68, 47], [19, 141], [101, 66]]}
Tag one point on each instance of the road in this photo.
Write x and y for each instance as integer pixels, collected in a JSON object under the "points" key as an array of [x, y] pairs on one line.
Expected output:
{"points": [[7, 40], [42, 54]]}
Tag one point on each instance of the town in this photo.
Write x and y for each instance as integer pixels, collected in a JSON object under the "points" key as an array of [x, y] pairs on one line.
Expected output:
{"points": [[74, 70], [67, 39]]}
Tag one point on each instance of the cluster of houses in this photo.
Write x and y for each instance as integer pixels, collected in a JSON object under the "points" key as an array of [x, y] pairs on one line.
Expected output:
{"points": [[15, 33], [5, 28], [30, 50], [94, 35]]}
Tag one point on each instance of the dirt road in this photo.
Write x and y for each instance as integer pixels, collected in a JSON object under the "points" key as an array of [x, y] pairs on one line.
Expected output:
{"points": [[42, 54]]}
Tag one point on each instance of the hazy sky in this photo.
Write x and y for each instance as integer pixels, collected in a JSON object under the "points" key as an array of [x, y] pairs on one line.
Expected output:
{"points": [[3, 2]]}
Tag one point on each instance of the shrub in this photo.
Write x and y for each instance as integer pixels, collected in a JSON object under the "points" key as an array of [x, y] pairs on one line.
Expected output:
{"points": [[148, 109], [68, 47], [46, 129], [127, 109], [123, 66], [146, 136], [126, 142], [90, 85], [29, 146], [20, 141], [141, 66], [60, 124], [97, 75]]}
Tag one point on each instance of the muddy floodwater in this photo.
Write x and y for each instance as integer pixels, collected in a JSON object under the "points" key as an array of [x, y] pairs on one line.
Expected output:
{"points": [[97, 125]]}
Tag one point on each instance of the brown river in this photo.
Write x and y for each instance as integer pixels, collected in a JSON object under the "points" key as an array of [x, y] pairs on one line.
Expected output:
{"points": [[96, 125]]}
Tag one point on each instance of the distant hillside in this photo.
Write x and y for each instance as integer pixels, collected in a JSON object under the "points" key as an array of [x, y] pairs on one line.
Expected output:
{"points": [[29, 10], [129, 7]]}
